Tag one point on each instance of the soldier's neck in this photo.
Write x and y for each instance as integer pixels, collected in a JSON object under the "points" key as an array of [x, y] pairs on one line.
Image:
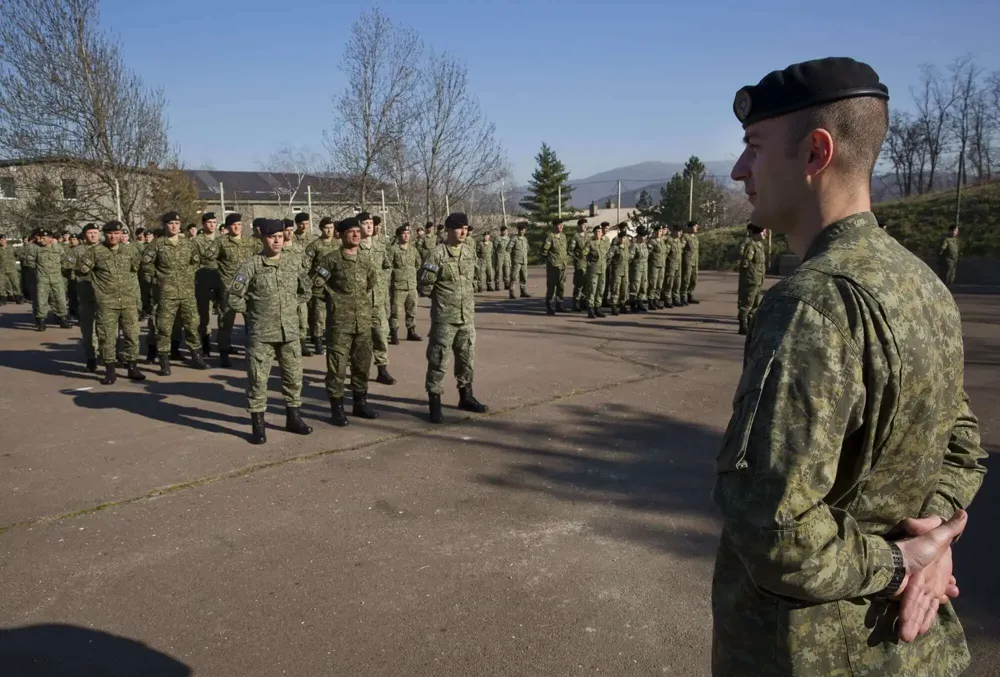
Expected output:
{"points": [[174, 238]]}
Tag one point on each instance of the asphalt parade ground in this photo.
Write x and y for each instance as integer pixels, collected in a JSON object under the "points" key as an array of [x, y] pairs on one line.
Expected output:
{"points": [[568, 531]]}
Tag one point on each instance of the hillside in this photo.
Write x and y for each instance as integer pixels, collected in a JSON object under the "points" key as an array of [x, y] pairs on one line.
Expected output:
{"points": [[604, 185]]}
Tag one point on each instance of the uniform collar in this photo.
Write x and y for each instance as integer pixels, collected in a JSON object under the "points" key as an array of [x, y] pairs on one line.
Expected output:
{"points": [[837, 230]]}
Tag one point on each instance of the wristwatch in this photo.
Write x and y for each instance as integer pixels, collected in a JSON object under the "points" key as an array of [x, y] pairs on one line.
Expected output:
{"points": [[898, 572]]}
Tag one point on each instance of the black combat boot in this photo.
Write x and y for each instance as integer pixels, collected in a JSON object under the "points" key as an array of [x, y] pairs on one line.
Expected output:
{"points": [[337, 417], [92, 365], [525, 295], [559, 307], [435, 405], [574, 307], [40, 324], [742, 331], [614, 310], [198, 359], [384, 376], [258, 428], [294, 422], [668, 303], [109, 374], [411, 334], [591, 314], [598, 313], [549, 310], [361, 408], [175, 350], [164, 365], [624, 309], [692, 299], [134, 373], [643, 308], [64, 323], [394, 337], [468, 401], [306, 350], [206, 345], [318, 346], [224, 358], [151, 352], [681, 302]]}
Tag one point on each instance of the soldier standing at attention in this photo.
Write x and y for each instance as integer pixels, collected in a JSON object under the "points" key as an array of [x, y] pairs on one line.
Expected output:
{"points": [[573, 249], [554, 253], [948, 256], [501, 260], [485, 258], [268, 289], [350, 279], [86, 300], [294, 249], [689, 263], [46, 259], [619, 255], [638, 270], [594, 253], [657, 262], [112, 271], [175, 259], [518, 248], [10, 281], [207, 284], [380, 323], [315, 251], [672, 277], [147, 271], [850, 458], [234, 249], [751, 281], [303, 229], [404, 260], [447, 277]]}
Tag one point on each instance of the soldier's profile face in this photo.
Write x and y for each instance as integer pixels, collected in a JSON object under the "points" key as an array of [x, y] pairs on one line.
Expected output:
{"points": [[367, 227], [773, 172], [274, 242], [173, 227]]}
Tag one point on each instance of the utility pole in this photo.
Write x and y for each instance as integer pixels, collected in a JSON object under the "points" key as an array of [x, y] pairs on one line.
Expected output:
{"points": [[958, 187], [447, 206], [382, 190], [691, 199], [309, 203], [118, 200], [503, 205], [619, 203], [222, 200], [559, 202]]}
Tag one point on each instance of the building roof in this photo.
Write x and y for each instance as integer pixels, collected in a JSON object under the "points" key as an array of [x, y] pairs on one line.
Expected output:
{"points": [[270, 186]]}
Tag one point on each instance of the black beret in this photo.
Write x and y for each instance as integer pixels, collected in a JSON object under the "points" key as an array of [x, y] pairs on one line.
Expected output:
{"points": [[140, 231], [89, 226], [557, 221], [301, 216], [429, 225], [690, 224], [192, 225], [206, 216], [326, 220], [113, 227], [363, 216], [348, 223], [522, 226], [377, 220], [405, 228], [456, 220], [269, 227], [580, 222], [288, 223], [622, 226], [605, 224], [755, 229], [503, 227], [806, 84], [3, 236], [257, 222], [44, 232], [641, 231], [233, 218], [595, 229], [170, 216]]}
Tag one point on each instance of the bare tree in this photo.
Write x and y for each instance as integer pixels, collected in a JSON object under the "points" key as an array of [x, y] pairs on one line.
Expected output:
{"points": [[934, 101], [66, 92], [963, 83], [906, 150], [380, 61], [287, 172]]}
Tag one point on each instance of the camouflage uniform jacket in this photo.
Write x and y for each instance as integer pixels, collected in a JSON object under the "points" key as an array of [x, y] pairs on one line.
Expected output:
{"points": [[316, 250], [752, 262], [113, 273], [84, 287], [518, 247], [638, 256], [619, 253], [350, 281], [232, 252], [657, 253], [501, 250], [208, 251], [175, 262], [47, 261], [554, 250], [268, 291], [675, 252], [575, 250], [404, 266], [8, 260], [448, 277], [484, 251], [689, 249], [948, 251], [380, 260], [850, 416], [593, 253]]}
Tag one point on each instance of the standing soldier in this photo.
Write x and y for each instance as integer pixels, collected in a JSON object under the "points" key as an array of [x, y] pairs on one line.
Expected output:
{"points": [[672, 278], [657, 263], [575, 251], [518, 247], [447, 278], [554, 253], [594, 253], [380, 322], [175, 259], [207, 285], [485, 257], [111, 271], [303, 229], [147, 272], [294, 249], [405, 261], [501, 260], [46, 259], [638, 270], [234, 249], [10, 281], [349, 279], [267, 289], [28, 275], [689, 263], [751, 281], [86, 300], [314, 252], [948, 256], [619, 255], [140, 245], [69, 274]]}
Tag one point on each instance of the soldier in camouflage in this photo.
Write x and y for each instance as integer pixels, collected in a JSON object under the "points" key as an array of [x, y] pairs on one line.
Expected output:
{"points": [[86, 300], [751, 277], [485, 256], [378, 254], [315, 251], [447, 277], [619, 255], [207, 284], [689, 263], [948, 256], [672, 275], [294, 249], [404, 259], [554, 253], [638, 270], [575, 251], [349, 279], [268, 289], [234, 249], [518, 248], [111, 270], [849, 459], [10, 280], [594, 252], [46, 258], [501, 260], [657, 263]]}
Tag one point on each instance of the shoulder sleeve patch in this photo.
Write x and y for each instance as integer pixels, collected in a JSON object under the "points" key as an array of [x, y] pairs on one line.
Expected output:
{"points": [[324, 273], [430, 266]]}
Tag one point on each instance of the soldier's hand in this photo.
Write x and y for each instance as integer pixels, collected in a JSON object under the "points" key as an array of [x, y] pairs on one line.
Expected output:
{"points": [[928, 573]]}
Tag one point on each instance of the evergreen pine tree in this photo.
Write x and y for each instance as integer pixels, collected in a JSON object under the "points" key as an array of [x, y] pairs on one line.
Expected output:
{"points": [[542, 200], [645, 202], [45, 208], [707, 196]]}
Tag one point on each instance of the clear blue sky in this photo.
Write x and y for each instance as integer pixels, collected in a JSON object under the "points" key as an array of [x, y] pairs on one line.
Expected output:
{"points": [[605, 85]]}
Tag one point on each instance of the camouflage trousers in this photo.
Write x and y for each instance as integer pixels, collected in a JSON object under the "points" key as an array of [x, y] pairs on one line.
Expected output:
{"points": [[638, 281], [108, 321], [593, 288], [317, 317], [748, 300], [168, 310], [445, 339], [207, 290], [49, 291], [672, 285], [689, 279], [501, 272], [260, 355], [407, 300], [303, 313], [946, 271], [146, 290], [380, 333], [486, 275], [519, 278], [555, 280], [579, 283], [657, 275], [87, 315], [10, 283], [347, 347], [619, 286], [227, 320]]}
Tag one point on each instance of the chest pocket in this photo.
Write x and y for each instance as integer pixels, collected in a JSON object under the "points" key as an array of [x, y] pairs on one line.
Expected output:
{"points": [[733, 455], [467, 267]]}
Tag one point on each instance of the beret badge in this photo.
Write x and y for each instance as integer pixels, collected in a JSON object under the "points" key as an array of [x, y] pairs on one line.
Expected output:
{"points": [[741, 104]]}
